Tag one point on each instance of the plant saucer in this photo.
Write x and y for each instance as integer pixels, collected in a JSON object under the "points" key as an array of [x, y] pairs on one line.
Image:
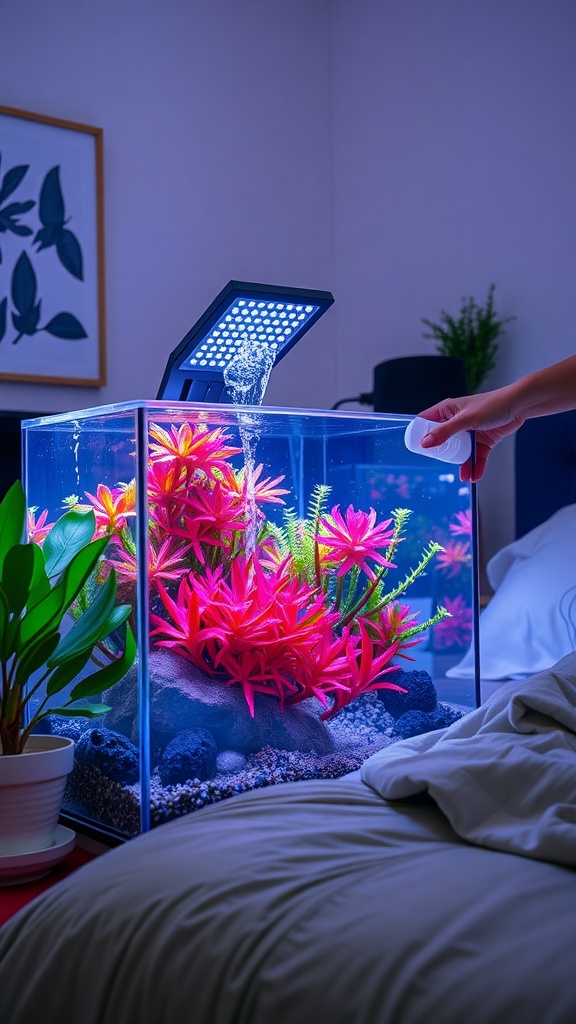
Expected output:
{"points": [[27, 867]]}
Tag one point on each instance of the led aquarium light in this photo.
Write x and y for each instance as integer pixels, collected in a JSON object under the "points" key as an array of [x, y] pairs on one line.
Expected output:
{"points": [[229, 352]]}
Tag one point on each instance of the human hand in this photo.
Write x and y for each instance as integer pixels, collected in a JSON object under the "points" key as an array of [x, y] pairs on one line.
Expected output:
{"points": [[491, 416]]}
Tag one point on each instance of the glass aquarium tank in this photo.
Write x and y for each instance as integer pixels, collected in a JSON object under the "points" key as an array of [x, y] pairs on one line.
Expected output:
{"points": [[301, 588]]}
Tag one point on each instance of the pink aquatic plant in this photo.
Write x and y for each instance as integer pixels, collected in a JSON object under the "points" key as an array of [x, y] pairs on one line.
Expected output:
{"points": [[112, 507], [454, 557], [463, 525], [37, 529], [305, 614], [455, 630], [351, 542], [195, 447], [165, 560]]}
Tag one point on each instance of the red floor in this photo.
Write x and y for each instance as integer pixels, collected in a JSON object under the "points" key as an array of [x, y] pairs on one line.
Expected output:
{"points": [[13, 897]]}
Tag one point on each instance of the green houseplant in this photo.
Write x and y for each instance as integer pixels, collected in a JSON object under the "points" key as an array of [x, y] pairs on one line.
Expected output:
{"points": [[471, 337], [54, 620]]}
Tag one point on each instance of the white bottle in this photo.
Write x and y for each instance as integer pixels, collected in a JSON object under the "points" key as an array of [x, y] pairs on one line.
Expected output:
{"points": [[456, 449]]}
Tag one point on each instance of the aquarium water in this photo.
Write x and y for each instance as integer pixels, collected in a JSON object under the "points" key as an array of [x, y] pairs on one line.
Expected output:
{"points": [[302, 590]]}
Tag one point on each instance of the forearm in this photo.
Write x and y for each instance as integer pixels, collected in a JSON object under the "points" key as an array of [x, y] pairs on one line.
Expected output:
{"points": [[546, 391]]}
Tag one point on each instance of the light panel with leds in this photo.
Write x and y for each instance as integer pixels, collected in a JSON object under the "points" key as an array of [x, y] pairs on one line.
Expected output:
{"points": [[243, 316]]}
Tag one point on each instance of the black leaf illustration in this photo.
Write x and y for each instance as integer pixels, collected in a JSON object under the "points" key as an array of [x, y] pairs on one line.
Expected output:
{"points": [[53, 231], [47, 236], [9, 215], [11, 180], [64, 325], [28, 323], [3, 306], [24, 297], [51, 200], [70, 254], [23, 285]]}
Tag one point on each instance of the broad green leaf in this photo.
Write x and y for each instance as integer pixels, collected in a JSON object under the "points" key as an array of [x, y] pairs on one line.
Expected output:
{"points": [[73, 531], [80, 568], [117, 617], [91, 627], [48, 613], [35, 656], [4, 627], [17, 574], [65, 674], [41, 619], [106, 677], [40, 585], [82, 710], [12, 519]]}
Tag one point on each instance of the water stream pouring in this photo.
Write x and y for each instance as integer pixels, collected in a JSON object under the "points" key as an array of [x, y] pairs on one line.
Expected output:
{"points": [[246, 377]]}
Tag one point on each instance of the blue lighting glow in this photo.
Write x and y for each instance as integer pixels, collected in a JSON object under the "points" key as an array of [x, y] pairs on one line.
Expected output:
{"points": [[272, 323]]}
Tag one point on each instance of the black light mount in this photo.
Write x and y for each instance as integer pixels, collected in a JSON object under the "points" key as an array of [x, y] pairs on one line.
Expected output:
{"points": [[246, 330]]}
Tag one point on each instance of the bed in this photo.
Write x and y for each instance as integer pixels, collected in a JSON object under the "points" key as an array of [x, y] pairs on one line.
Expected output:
{"points": [[437, 883]]}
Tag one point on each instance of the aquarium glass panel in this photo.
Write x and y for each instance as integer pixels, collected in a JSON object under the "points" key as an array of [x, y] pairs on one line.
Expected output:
{"points": [[301, 587]]}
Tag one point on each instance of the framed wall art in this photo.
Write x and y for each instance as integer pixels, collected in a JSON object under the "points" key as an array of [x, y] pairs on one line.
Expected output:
{"points": [[52, 301]]}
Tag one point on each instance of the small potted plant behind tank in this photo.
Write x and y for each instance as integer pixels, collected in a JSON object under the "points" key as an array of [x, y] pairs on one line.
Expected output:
{"points": [[47, 638], [470, 337]]}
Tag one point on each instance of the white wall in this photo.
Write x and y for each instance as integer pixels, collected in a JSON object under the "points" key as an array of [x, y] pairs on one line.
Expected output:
{"points": [[401, 153], [216, 152], [455, 166]]}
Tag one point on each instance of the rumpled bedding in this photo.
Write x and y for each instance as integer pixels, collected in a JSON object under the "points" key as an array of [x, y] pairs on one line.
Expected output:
{"points": [[320, 902], [505, 775]]}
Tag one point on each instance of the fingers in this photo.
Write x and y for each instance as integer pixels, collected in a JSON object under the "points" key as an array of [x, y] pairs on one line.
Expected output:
{"points": [[439, 434], [472, 474]]}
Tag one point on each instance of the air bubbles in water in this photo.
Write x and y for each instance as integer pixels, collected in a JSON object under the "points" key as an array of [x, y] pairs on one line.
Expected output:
{"points": [[248, 372], [75, 447], [246, 377]]}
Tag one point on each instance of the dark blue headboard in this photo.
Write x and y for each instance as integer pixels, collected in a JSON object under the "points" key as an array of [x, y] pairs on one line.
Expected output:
{"points": [[545, 472]]}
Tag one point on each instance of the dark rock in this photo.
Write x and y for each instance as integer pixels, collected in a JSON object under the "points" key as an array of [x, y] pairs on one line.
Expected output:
{"points": [[61, 725], [420, 696], [183, 697], [413, 723], [447, 715], [114, 754], [190, 755]]}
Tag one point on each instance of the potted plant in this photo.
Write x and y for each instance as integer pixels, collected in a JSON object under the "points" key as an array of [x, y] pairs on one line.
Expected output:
{"points": [[53, 621], [470, 337]]}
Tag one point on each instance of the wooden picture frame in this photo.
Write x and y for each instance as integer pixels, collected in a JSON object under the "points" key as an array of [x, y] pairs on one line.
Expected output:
{"points": [[52, 293]]}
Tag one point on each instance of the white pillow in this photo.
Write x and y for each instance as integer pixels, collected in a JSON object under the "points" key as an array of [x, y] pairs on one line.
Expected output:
{"points": [[530, 622]]}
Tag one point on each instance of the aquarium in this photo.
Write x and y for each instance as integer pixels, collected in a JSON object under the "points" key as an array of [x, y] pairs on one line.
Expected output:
{"points": [[300, 587]]}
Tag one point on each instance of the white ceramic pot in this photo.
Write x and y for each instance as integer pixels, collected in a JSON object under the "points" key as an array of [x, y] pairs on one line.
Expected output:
{"points": [[31, 789]]}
